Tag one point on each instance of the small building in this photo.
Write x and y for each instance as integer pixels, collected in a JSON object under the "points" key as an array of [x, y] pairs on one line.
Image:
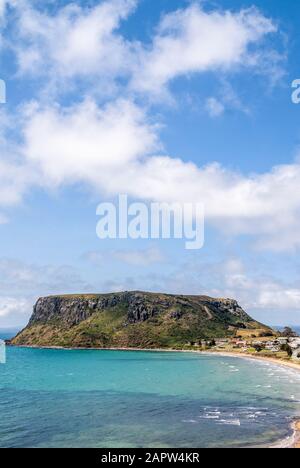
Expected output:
{"points": [[282, 341], [241, 344], [273, 346], [258, 343], [222, 342]]}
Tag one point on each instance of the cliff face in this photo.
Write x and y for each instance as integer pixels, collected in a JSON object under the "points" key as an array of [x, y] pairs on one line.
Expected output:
{"points": [[131, 319]]}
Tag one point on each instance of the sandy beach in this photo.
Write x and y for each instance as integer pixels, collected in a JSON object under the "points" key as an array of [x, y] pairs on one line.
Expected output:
{"points": [[292, 442]]}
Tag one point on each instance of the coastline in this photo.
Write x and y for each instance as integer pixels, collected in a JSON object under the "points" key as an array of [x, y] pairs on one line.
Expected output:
{"points": [[292, 442], [278, 362]]}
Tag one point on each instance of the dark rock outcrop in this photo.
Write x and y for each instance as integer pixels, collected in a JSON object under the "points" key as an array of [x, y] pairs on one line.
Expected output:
{"points": [[131, 319]]}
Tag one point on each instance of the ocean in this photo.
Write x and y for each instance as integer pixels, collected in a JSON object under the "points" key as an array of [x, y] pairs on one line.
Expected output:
{"points": [[8, 333], [108, 399]]}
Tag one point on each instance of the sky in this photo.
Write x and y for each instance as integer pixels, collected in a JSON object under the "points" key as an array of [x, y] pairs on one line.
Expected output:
{"points": [[169, 101]]}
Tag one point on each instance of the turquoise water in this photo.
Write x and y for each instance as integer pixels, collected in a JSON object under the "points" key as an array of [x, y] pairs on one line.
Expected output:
{"points": [[8, 333], [56, 398]]}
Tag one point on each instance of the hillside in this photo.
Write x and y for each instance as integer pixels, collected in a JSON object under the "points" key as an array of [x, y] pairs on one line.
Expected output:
{"points": [[131, 319]]}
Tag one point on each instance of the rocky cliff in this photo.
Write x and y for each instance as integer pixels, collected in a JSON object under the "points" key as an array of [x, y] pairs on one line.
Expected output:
{"points": [[131, 319]]}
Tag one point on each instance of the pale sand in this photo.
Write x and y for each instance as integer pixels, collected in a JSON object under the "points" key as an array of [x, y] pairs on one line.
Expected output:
{"points": [[292, 442]]}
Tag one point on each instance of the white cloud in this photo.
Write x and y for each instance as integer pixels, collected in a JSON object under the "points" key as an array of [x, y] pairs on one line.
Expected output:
{"points": [[20, 278], [214, 107], [266, 204], [110, 149], [257, 291], [280, 298], [2, 7], [13, 183], [19, 308], [15, 174], [195, 41], [82, 42], [76, 41], [227, 99], [86, 143], [261, 295], [22, 283]]}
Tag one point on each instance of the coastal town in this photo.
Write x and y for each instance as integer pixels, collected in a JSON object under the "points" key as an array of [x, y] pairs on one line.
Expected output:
{"points": [[283, 345]]}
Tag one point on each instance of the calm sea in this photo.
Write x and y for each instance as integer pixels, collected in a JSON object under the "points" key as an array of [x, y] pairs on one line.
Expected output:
{"points": [[52, 398], [8, 333]]}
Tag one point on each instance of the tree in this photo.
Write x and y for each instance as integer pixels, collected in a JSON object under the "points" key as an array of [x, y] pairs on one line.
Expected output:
{"points": [[258, 348], [289, 333], [287, 349]]}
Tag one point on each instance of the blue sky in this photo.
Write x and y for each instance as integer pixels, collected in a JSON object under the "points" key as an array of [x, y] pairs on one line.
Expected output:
{"points": [[169, 100]]}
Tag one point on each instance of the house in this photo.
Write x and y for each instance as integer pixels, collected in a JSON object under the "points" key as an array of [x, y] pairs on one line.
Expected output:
{"points": [[222, 341], [241, 344], [273, 346], [258, 343], [282, 341]]}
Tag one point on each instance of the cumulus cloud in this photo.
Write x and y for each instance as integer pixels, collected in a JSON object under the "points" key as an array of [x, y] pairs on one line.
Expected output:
{"points": [[264, 296], [266, 205], [86, 42], [112, 149], [115, 147], [85, 142], [13, 183], [193, 40], [16, 175], [75, 41]]}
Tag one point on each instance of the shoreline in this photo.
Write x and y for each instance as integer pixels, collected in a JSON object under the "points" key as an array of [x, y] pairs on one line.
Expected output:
{"points": [[278, 362], [292, 442]]}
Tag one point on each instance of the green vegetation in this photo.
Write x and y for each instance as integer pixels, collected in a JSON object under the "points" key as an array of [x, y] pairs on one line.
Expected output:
{"points": [[133, 320]]}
